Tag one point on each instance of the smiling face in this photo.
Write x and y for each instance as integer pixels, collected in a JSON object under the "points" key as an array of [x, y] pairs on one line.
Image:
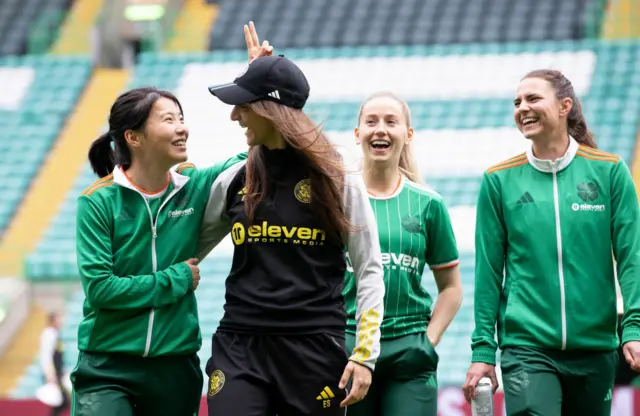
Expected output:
{"points": [[164, 136], [537, 110], [258, 129], [383, 130]]}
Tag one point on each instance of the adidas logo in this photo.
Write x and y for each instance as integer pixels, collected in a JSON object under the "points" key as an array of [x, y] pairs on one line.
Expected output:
{"points": [[525, 199], [326, 394], [274, 94], [432, 382], [325, 397], [609, 396]]}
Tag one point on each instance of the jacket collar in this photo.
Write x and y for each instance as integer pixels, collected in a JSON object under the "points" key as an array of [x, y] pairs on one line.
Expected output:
{"points": [[177, 180], [544, 165]]}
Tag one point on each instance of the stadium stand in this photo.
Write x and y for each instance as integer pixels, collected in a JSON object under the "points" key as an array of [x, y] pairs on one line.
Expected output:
{"points": [[75, 35], [463, 120], [19, 17], [56, 176], [325, 23], [192, 27], [620, 20], [33, 108]]}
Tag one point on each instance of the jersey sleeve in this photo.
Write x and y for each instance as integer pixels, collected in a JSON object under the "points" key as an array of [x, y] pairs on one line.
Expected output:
{"points": [[102, 288], [490, 250], [366, 261], [442, 249], [215, 223], [625, 232], [211, 173]]}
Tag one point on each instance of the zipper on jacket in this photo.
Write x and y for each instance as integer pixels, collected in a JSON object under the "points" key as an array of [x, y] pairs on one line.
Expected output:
{"points": [[556, 205], [154, 260]]}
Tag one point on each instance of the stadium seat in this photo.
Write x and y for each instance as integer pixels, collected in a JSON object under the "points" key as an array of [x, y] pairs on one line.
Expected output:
{"points": [[334, 23], [18, 18]]}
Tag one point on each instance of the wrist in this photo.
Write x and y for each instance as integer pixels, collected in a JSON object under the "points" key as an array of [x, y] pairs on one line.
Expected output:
{"points": [[361, 365], [433, 336], [187, 276]]}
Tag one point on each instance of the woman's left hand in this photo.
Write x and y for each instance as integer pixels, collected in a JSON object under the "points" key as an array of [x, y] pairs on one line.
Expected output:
{"points": [[631, 352], [254, 49], [361, 380]]}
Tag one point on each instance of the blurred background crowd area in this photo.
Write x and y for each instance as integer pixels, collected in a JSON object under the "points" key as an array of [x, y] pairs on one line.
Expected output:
{"points": [[457, 63]]}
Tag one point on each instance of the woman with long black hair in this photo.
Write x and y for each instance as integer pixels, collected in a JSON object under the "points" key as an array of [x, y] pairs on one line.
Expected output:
{"points": [[140, 335]]}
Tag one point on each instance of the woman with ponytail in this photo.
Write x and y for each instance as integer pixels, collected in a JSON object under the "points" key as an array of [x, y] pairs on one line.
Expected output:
{"points": [[414, 231], [547, 223], [136, 234]]}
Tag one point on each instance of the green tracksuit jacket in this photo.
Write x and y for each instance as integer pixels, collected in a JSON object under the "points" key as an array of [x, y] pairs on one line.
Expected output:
{"points": [[552, 230], [130, 252]]}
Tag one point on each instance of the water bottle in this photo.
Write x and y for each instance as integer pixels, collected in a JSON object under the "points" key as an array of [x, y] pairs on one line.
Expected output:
{"points": [[482, 405]]}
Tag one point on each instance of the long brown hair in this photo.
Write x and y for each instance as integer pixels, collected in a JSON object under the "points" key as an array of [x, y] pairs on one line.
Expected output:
{"points": [[576, 123], [323, 161], [407, 164]]}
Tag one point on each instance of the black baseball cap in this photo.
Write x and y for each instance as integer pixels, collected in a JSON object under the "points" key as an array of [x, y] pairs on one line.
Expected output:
{"points": [[272, 78]]}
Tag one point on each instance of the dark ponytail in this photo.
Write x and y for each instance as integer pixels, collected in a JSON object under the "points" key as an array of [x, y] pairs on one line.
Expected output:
{"points": [[576, 123], [129, 112], [101, 156]]}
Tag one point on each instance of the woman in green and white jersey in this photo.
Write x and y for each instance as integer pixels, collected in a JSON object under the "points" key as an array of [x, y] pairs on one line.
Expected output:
{"points": [[414, 230], [548, 221]]}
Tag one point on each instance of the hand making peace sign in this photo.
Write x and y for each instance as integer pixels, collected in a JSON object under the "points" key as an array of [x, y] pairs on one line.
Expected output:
{"points": [[254, 49]]}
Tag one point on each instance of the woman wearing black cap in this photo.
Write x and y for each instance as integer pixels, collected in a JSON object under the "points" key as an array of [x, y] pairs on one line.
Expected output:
{"points": [[291, 210]]}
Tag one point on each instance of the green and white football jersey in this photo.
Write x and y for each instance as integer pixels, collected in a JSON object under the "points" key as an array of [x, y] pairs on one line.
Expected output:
{"points": [[415, 230]]}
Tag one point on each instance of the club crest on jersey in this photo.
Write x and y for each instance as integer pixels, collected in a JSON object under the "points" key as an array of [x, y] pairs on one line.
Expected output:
{"points": [[411, 224], [181, 200], [302, 191], [216, 382], [588, 191]]}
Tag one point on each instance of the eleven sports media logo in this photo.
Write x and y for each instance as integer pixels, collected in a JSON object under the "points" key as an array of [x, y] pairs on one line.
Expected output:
{"points": [[398, 261], [393, 261], [588, 192], [268, 233], [277, 234]]}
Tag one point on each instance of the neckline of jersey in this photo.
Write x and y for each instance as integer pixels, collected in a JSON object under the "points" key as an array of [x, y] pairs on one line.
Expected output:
{"points": [[549, 166], [393, 194]]}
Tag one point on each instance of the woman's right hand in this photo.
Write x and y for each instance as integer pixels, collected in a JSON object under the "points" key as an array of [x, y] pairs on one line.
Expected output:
{"points": [[195, 272], [475, 373], [254, 49]]}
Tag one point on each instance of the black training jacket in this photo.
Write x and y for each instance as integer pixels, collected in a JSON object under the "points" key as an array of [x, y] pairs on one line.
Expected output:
{"points": [[287, 274]]}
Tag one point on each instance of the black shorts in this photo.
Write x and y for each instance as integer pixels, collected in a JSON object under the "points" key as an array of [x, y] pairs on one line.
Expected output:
{"points": [[268, 375]]}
